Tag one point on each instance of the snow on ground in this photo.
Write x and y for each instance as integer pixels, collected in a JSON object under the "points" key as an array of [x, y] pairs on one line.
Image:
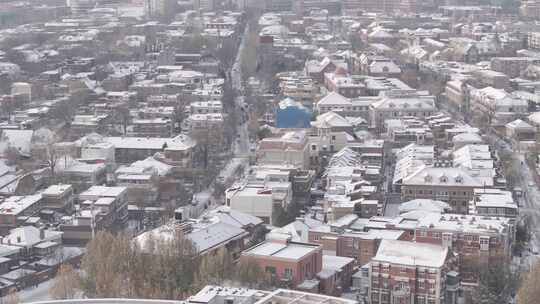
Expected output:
{"points": [[40, 293]]}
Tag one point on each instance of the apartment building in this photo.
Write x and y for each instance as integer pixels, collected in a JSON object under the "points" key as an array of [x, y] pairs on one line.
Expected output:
{"points": [[356, 107], [451, 185], [478, 241], [291, 148], [512, 66], [533, 40], [406, 272], [399, 104], [492, 78]]}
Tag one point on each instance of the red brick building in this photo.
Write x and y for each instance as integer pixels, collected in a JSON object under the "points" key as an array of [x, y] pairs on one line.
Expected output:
{"points": [[406, 272], [361, 246], [478, 241], [287, 263]]}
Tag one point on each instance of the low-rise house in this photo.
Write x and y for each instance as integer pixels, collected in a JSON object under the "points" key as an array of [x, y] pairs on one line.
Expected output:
{"points": [[260, 199], [150, 127], [378, 66], [100, 208], [205, 122], [208, 234], [32, 240], [522, 134], [464, 139], [498, 106], [292, 114], [81, 175], [85, 124], [477, 161], [141, 182], [130, 149], [336, 274], [286, 262], [206, 107], [493, 203], [316, 69], [339, 81], [424, 205], [58, 197], [220, 295], [13, 207]]}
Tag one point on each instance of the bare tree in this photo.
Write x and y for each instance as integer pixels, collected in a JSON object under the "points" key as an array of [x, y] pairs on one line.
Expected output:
{"points": [[122, 117], [66, 283], [529, 292], [12, 298], [497, 284], [249, 272], [115, 267], [44, 149]]}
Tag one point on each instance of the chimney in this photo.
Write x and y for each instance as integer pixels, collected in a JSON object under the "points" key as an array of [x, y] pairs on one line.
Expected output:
{"points": [[41, 233]]}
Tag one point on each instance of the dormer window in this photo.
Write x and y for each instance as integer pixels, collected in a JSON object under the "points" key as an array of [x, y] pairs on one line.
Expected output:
{"points": [[459, 179], [443, 179], [428, 178]]}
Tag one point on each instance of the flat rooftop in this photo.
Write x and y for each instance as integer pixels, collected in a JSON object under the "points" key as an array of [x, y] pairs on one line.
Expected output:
{"points": [[290, 251]]}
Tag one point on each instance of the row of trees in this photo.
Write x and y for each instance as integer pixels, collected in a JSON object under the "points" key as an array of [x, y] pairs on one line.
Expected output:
{"points": [[116, 266]]}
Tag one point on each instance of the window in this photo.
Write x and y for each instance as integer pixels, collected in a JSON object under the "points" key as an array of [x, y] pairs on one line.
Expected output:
{"points": [[484, 243], [270, 269], [288, 273], [333, 137], [313, 147]]}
